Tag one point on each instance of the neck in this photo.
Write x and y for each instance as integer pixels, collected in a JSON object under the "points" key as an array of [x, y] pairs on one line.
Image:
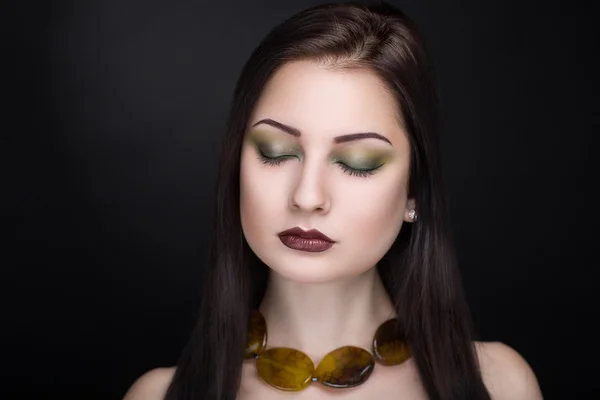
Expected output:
{"points": [[317, 318]]}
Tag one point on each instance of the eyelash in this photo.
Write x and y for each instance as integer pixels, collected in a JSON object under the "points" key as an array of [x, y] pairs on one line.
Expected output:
{"points": [[272, 161], [361, 173]]}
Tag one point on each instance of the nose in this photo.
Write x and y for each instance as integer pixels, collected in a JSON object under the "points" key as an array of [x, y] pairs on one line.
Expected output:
{"points": [[310, 193]]}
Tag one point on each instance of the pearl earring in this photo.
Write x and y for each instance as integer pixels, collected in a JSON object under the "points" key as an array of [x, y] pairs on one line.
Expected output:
{"points": [[412, 215]]}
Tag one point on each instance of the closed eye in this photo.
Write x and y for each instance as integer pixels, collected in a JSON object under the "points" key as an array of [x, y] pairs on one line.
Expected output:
{"points": [[362, 173], [273, 160]]}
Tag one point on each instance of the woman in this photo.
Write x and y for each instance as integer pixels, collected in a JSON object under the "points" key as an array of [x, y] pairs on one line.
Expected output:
{"points": [[331, 219]]}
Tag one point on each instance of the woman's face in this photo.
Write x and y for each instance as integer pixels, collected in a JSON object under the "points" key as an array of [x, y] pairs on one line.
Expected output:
{"points": [[303, 166]]}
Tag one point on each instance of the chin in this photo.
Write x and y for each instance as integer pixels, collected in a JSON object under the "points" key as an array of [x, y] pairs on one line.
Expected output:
{"points": [[311, 271], [303, 276]]}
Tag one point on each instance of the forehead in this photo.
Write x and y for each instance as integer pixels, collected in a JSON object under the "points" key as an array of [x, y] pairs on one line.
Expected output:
{"points": [[321, 100]]}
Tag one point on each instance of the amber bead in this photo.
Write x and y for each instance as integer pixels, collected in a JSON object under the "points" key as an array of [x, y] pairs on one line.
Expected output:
{"points": [[257, 335], [390, 346], [285, 368], [345, 367]]}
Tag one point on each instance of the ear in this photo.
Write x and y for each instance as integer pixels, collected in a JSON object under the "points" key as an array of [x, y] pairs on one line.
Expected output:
{"points": [[410, 214]]}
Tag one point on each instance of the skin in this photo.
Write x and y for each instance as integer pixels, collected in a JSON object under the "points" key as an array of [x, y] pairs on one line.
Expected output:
{"points": [[311, 189], [317, 302]]}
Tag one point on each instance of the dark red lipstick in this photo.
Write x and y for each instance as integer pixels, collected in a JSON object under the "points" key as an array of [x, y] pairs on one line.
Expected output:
{"points": [[312, 241]]}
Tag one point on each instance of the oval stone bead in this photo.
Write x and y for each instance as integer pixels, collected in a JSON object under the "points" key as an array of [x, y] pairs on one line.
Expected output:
{"points": [[345, 367], [285, 368], [390, 346], [257, 335]]}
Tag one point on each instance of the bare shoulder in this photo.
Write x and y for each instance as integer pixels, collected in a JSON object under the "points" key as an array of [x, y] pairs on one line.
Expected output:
{"points": [[505, 373], [152, 385]]}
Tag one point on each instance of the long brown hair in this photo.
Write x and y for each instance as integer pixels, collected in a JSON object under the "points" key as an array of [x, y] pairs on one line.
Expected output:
{"points": [[419, 271]]}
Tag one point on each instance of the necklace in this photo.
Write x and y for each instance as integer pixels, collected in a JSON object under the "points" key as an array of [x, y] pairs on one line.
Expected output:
{"points": [[345, 367]]}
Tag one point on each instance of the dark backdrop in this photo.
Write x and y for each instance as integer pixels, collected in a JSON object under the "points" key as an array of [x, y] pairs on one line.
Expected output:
{"points": [[110, 140]]}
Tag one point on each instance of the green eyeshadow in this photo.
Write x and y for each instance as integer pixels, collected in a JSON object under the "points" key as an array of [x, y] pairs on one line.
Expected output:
{"points": [[363, 159], [272, 145]]}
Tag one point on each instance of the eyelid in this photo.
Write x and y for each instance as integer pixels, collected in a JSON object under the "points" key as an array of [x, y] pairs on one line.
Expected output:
{"points": [[347, 169], [365, 158], [272, 161], [362, 173], [269, 147]]}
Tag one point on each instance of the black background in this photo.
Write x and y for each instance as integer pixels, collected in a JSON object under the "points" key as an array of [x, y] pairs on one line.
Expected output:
{"points": [[111, 133]]}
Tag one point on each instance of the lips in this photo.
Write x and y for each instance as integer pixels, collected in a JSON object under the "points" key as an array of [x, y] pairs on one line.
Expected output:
{"points": [[311, 241]]}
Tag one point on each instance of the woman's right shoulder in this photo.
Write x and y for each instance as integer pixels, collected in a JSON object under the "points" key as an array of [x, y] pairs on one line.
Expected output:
{"points": [[152, 385]]}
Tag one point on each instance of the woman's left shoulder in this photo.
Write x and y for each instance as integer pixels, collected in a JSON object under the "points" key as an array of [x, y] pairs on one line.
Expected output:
{"points": [[505, 372]]}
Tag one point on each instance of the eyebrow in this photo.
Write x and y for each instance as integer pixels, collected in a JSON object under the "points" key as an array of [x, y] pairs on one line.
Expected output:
{"points": [[338, 139]]}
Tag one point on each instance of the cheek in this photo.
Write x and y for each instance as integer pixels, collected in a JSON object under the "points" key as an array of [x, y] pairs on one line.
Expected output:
{"points": [[260, 203], [250, 201], [377, 209]]}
